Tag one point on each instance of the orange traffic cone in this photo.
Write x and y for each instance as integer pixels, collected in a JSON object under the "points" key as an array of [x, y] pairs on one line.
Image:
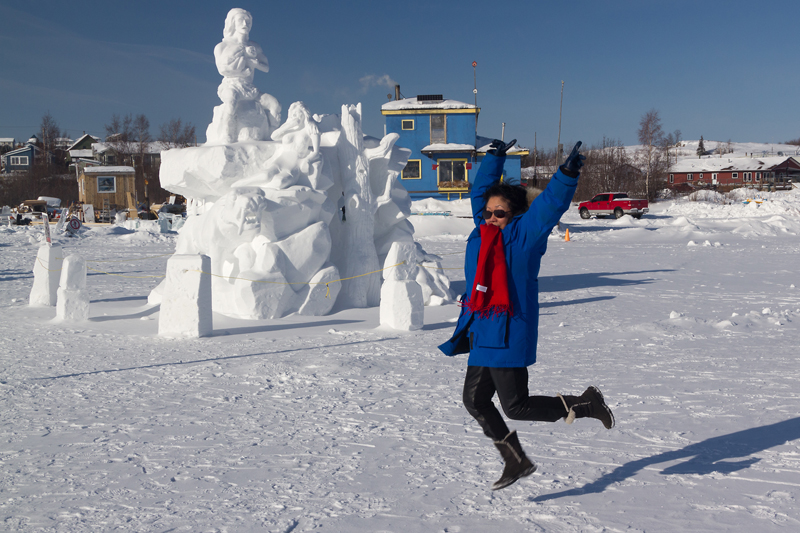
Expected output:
{"points": [[566, 237]]}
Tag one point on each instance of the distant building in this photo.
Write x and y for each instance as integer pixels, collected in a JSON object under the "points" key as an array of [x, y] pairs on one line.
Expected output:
{"points": [[728, 173], [7, 143], [107, 188], [21, 160], [445, 150], [82, 148], [147, 154]]}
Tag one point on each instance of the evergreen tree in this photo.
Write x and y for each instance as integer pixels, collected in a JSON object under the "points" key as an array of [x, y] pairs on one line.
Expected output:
{"points": [[701, 149]]}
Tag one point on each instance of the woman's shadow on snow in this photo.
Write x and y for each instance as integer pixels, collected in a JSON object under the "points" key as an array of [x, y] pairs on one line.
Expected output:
{"points": [[717, 454]]}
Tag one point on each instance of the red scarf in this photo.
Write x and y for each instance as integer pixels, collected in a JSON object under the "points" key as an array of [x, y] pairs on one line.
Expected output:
{"points": [[490, 293]]}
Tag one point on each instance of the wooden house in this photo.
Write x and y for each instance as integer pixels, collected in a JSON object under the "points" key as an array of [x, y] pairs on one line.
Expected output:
{"points": [[107, 188]]}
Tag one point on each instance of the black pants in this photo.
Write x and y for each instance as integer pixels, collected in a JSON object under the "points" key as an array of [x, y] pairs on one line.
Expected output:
{"points": [[511, 386]]}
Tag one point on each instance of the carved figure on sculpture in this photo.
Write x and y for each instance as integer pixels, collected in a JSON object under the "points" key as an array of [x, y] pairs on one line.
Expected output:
{"points": [[297, 160], [245, 114]]}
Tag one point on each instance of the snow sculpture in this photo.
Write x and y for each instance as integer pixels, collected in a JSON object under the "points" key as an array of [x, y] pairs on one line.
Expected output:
{"points": [[73, 299], [245, 114], [268, 213], [186, 310], [46, 273]]}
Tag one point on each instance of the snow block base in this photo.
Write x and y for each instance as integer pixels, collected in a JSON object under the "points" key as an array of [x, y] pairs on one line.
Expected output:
{"points": [[73, 299], [186, 305], [46, 273], [402, 305]]}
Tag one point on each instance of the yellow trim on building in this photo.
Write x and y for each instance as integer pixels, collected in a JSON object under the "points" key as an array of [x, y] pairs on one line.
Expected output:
{"points": [[430, 111], [430, 131], [520, 153], [419, 169], [403, 123], [439, 166]]}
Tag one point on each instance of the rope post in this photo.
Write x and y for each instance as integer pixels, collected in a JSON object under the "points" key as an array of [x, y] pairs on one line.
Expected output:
{"points": [[186, 306], [46, 274], [402, 301], [73, 300]]}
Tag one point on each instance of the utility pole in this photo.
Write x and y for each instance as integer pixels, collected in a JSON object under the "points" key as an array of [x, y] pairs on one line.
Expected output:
{"points": [[559, 150], [535, 169], [475, 92]]}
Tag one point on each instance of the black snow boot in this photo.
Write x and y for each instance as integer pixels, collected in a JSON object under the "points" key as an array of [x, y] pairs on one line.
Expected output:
{"points": [[590, 404], [517, 464]]}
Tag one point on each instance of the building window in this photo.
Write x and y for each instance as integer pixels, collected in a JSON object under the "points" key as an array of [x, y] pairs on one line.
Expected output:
{"points": [[701, 175], [412, 170], [714, 177], [19, 160], [438, 129], [672, 178], [452, 173], [747, 176], [689, 177], [106, 184], [407, 124], [758, 176], [734, 175]]}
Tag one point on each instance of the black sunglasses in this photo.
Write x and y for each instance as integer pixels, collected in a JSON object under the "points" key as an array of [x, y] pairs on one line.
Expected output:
{"points": [[499, 213]]}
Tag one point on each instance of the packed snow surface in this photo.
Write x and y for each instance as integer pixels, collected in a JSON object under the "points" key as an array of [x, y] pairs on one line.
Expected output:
{"points": [[687, 320]]}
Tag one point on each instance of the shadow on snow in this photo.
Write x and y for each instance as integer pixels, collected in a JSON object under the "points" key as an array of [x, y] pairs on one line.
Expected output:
{"points": [[717, 454], [568, 282], [209, 360]]}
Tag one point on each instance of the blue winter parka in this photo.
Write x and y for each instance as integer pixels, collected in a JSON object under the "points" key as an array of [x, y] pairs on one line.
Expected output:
{"points": [[504, 341]]}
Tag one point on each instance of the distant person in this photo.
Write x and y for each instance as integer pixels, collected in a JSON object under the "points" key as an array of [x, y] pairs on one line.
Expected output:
{"points": [[499, 320], [342, 205]]}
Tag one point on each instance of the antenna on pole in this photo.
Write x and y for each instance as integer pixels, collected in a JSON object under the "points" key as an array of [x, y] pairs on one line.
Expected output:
{"points": [[475, 92], [560, 150]]}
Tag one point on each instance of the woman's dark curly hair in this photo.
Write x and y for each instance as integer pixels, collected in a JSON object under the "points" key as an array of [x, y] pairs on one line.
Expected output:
{"points": [[517, 197]]}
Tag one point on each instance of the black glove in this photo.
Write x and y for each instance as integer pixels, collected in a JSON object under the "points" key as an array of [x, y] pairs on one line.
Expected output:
{"points": [[572, 166], [499, 148]]}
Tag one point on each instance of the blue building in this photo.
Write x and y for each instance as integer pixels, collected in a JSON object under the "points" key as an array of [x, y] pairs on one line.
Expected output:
{"points": [[445, 148], [21, 159]]}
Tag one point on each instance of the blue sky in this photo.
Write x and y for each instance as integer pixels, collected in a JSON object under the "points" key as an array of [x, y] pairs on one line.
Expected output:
{"points": [[721, 69]]}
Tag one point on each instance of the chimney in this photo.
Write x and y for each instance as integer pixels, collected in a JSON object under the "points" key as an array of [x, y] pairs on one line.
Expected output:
{"points": [[397, 92]]}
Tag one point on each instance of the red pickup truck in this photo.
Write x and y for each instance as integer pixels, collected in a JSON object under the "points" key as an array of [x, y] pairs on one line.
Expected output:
{"points": [[613, 203]]}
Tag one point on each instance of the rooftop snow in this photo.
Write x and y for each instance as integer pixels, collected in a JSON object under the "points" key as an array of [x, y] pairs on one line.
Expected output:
{"points": [[449, 147], [412, 103], [105, 170], [715, 164]]}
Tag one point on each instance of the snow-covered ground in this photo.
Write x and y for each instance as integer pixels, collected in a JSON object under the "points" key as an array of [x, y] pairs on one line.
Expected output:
{"points": [[687, 320]]}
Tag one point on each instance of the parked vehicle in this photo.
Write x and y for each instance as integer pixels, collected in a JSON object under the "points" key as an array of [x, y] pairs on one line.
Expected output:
{"points": [[613, 203], [53, 206]]}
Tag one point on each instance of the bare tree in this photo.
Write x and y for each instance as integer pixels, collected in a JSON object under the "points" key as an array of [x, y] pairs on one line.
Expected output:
{"points": [[51, 134], [130, 138], [608, 167], [177, 134], [120, 136], [651, 154]]}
